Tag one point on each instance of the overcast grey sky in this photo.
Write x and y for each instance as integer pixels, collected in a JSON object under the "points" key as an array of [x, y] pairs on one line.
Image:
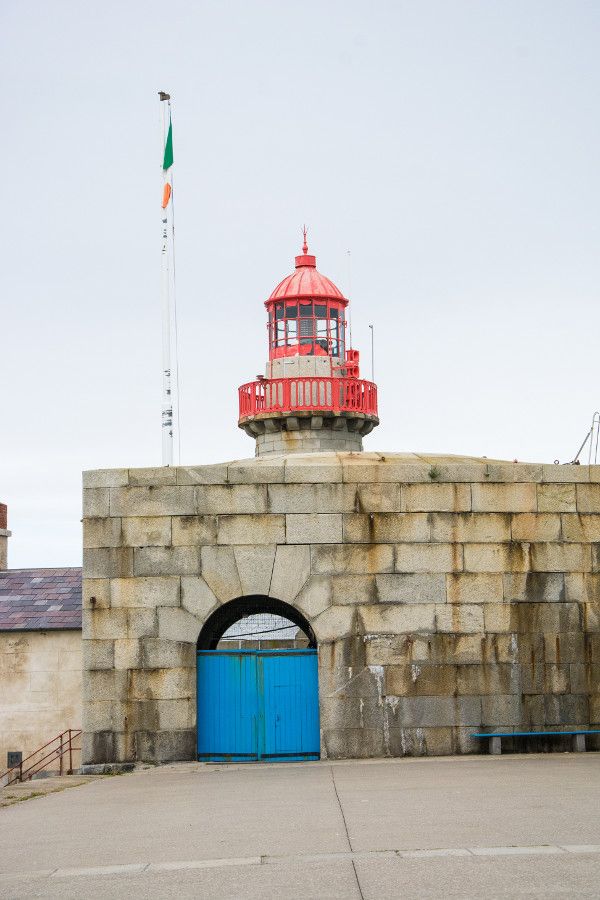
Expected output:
{"points": [[453, 147]]}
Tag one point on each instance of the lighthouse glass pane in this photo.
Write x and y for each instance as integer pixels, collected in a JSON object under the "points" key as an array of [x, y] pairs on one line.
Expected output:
{"points": [[306, 309], [292, 331], [279, 310], [291, 310], [280, 334]]}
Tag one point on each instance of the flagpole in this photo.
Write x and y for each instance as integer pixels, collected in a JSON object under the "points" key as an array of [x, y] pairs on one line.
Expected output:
{"points": [[167, 397]]}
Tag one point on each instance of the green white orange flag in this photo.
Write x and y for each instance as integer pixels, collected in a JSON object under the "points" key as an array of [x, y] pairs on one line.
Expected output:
{"points": [[167, 163]]}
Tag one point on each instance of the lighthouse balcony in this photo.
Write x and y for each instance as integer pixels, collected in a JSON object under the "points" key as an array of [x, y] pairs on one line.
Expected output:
{"points": [[350, 401]]}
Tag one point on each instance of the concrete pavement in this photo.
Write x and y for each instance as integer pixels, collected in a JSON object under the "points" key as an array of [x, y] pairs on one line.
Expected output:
{"points": [[446, 827]]}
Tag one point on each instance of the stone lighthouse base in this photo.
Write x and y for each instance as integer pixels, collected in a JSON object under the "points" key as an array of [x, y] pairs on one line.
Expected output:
{"points": [[446, 595]]}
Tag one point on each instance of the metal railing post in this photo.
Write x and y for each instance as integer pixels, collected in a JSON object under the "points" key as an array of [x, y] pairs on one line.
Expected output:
{"points": [[70, 753], [60, 750]]}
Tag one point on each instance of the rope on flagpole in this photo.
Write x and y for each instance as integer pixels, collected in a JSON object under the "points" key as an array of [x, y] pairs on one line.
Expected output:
{"points": [[176, 327]]}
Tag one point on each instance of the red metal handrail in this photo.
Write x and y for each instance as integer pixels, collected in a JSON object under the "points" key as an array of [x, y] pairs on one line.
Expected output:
{"points": [[65, 745], [288, 395]]}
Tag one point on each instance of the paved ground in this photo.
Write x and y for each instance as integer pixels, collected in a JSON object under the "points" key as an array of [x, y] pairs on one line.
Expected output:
{"points": [[39, 787], [512, 826]]}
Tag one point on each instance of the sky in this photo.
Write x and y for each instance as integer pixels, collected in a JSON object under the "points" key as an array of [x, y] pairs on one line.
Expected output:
{"points": [[444, 155]]}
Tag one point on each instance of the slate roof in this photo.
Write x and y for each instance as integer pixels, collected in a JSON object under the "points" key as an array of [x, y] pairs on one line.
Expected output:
{"points": [[40, 599]]}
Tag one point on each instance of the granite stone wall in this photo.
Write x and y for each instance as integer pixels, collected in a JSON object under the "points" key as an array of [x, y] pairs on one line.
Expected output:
{"points": [[447, 595]]}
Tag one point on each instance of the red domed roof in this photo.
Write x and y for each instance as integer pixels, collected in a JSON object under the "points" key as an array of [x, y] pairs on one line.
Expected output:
{"points": [[306, 281]]}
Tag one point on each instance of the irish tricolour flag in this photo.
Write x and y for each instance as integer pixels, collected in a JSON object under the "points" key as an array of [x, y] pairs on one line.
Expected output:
{"points": [[167, 163]]}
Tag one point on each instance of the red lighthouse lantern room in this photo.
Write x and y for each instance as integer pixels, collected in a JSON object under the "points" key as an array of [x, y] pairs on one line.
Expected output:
{"points": [[311, 397]]}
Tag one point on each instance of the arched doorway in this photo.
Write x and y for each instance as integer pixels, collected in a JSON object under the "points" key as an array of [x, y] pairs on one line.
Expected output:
{"points": [[258, 694]]}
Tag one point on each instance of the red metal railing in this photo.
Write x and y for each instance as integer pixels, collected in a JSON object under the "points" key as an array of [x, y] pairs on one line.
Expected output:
{"points": [[63, 747], [288, 395]]}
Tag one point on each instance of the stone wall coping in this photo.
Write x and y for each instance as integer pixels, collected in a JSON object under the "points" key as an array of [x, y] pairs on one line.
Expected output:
{"points": [[347, 467]]}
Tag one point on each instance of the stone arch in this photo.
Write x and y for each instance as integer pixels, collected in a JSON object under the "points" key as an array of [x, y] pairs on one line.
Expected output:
{"points": [[227, 614]]}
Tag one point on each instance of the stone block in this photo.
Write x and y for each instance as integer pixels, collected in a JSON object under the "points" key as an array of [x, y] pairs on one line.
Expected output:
{"points": [[350, 712], [376, 498], [377, 468], [251, 529], [564, 648], [561, 557], [354, 589], [213, 474], [175, 714], [580, 588], [514, 557], [96, 502], [255, 567], [420, 712], [386, 528], [465, 527], [487, 680], [128, 653], [101, 533], [334, 623], [194, 530], [104, 624], [591, 617], [98, 654], [109, 562], [172, 683], [565, 473], [429, 558], [166, 561], [536, 527], [436, 497], [556, 498], [580, 528], [497, 617], [144, 592], [501, 711], [411, 588], [458, 618], [230, 499], [517, 497], [290, 571], [102, 716], [534, 587], [157, 653], [177, 625], [219, 570], [543, 618], [556, 679], [588, 498], [97, 746], [352, 559], [391, 619], [469, 587], [315, 596], [104, 478], [419, 680], [352, 743], [146, 531], [95, 593], [311, 498], [106, 684], [196, 597], [567, 709], [153, 476], [317, 528], [257, 471], [388, 650], [163, 500], [140, 623], [305, 468]]}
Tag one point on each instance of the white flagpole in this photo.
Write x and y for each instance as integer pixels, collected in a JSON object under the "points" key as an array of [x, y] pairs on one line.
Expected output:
{"points": [[167, 398]]}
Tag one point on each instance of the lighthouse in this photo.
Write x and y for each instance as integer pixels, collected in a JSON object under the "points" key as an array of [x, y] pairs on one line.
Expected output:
{"points": [[311, 397]]}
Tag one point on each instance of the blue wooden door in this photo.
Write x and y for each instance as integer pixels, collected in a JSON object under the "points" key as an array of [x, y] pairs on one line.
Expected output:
{"points": [[258, 704]]}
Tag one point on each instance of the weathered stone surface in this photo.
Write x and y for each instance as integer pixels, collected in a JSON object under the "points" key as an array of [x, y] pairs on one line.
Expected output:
{"points": [[534, 587], [249, 529], [459, 618], [396, 619], [96, 502], [110, 562], [146, 531], [421, 680], [128, 653], [99, 532], [377, 498], [311, 498], [357, 559], [166, 561], [291, 569], [500, 711], [153, 476], [98, 654], [141, 623], [468, 587], [561, 557], [411, 588], [172, 682], [514, 557], [556, 498], [95, 593], [315, 596], [487, 679], [230, 499], [105, 685], [219, 570], [215, 474], [436, 497], [146, 592], [429, 558], [257, 471], [103, 478], [504, 497], [194, 530], [497, 617], [162, 500], [465, 527], [419, 712], [386, 528], [334, 623], [536, 527], [175, 624], [255, 568], [354, 589], [588, 498], [196, 596], [581, 528], [318, 528], [313, 469]]}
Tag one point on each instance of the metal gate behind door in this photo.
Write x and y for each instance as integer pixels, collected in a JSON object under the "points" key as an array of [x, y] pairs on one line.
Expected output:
{"points": [[257, 704]]}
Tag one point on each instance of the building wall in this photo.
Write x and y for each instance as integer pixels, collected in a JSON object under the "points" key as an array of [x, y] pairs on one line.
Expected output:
{"points": [[40, 687], [447, 595]]}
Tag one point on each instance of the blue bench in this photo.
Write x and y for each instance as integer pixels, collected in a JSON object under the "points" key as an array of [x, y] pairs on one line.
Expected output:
{"points": [[495, 738]]}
